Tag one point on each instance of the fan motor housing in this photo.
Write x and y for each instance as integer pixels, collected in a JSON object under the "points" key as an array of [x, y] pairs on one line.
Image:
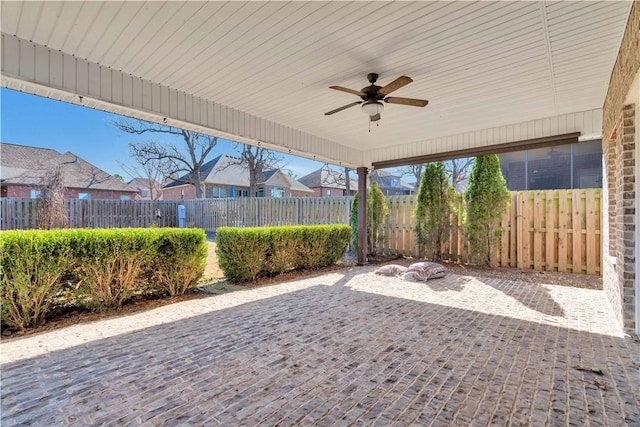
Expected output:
{"points": [[371, 93]]}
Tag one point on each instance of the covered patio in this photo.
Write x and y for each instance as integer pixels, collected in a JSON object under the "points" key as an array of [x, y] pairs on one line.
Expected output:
{"points": [[343, 348], [349, 347], [498, 76]]}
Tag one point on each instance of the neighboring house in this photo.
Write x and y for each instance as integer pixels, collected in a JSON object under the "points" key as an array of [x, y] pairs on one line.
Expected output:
{"points": [[147, 189], [390, 184], [25, 170], [329, 183], [224, 177]]}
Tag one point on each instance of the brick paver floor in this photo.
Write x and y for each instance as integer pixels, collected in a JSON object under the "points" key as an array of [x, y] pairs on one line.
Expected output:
{"points": [[345, 348]]}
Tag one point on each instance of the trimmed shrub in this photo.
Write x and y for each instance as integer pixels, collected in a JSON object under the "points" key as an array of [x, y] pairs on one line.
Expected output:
{"points": [[324, 245], [180, 259], [32, 265], [111, 264], [285, 253], [244, 254], [93, 268]]}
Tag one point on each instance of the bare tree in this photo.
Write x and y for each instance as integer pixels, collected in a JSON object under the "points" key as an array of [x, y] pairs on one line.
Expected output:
{"points": [[256, 160], [414, 171], [459, 170], [50, 205], [152, 171], [333, 177], [188, 159]]}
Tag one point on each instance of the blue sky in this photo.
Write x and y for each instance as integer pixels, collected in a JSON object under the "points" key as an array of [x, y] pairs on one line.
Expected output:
{"points": [[42, 122]]}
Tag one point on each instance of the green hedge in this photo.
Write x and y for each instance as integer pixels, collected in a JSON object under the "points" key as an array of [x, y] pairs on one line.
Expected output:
{"points": [[244, 254], [98, 269]]}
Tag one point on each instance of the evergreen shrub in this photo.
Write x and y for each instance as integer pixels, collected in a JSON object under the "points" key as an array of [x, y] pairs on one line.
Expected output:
{"points": [[487, 199], [98, 269], [245, 254]]}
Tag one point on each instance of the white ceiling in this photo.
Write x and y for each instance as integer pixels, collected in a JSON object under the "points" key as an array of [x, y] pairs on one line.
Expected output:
{"points": [[480, 64]]}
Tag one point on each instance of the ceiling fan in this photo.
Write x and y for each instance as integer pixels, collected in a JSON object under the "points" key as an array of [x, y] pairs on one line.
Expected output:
{"points": [[372, 95]]}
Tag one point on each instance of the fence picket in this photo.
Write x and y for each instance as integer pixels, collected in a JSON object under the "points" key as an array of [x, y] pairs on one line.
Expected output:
{"points": [[538, 230], [592, 249], [576, 229]]}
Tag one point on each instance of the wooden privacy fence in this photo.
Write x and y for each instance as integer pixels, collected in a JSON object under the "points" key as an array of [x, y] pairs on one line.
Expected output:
{"points": [[252, 212], [22, 213], [554, 230]]}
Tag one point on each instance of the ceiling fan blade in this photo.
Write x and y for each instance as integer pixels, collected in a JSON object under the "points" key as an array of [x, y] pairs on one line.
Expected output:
{"points": [[344, 107], [346, 89], [407, 101], [394, 85]]}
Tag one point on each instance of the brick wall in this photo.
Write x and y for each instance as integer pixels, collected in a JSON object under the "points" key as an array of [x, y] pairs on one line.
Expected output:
{"points": [[24, 192], [322, 192], [174, 193], [619, 187]]}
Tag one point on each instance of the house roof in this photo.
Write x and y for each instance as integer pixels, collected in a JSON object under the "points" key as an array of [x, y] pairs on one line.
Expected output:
{"points": [[327, 178], [381, 176], [25, 165], [276, 177], [142, 183], [227, 170], [222, 170]]}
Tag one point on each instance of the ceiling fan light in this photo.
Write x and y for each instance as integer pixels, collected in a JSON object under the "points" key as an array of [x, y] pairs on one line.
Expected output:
{"points": [[371, 108]]}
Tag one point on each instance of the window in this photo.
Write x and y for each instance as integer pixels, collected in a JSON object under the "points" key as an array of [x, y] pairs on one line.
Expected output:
{"points": [[328, 193], [144, 193], [84, 196], [260, 192], [125, 197], [587, 165], [277, 192], [549, 168], [554, 168], [218, 192], [35, 194], [243, 193]]}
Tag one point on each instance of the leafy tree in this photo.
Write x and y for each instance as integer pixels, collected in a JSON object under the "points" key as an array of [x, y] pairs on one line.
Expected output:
{"points": [[487, 199], [432, 213], [181, 159], [377, 210], [353, 222]]}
